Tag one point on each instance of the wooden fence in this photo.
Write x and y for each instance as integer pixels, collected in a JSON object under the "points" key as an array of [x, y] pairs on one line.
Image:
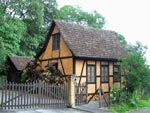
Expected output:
{"points": [[33, 95]]}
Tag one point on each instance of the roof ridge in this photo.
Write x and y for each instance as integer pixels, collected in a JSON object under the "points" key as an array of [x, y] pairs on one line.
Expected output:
{"points": [[84, 26], [85, 41], [19, 61]]}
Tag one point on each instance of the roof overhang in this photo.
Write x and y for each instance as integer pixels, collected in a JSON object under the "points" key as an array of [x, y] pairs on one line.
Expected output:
{"points": [[47, 40], [95, 58]]}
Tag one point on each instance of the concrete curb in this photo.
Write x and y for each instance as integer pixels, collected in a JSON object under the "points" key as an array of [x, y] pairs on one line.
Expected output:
{"points": [[92, 110], [82, 110]]}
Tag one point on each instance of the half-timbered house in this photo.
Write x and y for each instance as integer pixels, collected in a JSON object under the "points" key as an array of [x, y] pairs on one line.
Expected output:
{"points": [[90, 54]]}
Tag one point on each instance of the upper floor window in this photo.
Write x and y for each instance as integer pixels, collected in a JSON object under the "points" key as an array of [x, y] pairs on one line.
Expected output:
{"points": [[104, 73], [56, 41], [117, 77], [91, 77]]}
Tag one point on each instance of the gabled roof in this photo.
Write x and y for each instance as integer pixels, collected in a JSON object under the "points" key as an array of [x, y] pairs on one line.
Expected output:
{"points": [[88, 42], [19, 62]]}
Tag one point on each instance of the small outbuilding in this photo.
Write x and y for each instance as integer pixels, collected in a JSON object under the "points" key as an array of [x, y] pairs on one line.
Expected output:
{"points": [[16, 66]]}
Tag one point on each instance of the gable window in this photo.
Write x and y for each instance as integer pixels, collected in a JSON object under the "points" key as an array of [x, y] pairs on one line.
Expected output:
{"points": [[117, 77], [91, 74], [104, 73], [56, 41]]}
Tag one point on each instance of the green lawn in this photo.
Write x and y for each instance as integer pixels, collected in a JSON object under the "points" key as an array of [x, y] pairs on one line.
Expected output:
{"points": [[125, 107]]}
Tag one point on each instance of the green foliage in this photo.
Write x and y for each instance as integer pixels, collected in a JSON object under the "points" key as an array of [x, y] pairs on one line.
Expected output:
{"points": [[135, 88], [94, 19], [77, 15], [12, 31], [50, 11], [34, 19], [124, 107], [122, 40], [34, 15], [121, 108], [117, 95], [22, 27], [135, 69]]}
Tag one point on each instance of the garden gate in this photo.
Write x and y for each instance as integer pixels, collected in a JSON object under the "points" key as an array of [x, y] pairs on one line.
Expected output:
{"points": [[33, 95], [80, 93]]}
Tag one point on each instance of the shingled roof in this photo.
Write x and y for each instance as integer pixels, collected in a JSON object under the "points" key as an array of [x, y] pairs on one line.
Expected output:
{"points": [[19, 62], [88, 42]]}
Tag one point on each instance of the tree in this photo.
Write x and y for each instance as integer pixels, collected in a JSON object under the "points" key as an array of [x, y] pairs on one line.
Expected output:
{"points": [[50, 10], [12, 31], [122, 40], [36, 15], [34, 22], [135, 69], [25, 9], [75, 14]]}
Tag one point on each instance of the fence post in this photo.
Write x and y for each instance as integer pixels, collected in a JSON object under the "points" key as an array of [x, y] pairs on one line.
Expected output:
{"points": [[100, 101], [39, 93], [71, 86]]}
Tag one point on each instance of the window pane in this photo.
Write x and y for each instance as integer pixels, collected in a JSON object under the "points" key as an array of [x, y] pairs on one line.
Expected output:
{"points": [[116, 69], [117, 77], [91, 73], [56, 42], [104, 73]]}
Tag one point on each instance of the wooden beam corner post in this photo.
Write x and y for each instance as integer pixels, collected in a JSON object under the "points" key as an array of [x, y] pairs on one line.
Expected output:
{"points": [[71, 100]]}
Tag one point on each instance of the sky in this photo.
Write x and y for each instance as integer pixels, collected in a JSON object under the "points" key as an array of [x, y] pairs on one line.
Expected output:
{"points": [[130, 18]]}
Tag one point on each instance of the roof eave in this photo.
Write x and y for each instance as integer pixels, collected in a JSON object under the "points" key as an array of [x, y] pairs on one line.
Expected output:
{"points": [[47, 40], [9, 59], [96, 58]]}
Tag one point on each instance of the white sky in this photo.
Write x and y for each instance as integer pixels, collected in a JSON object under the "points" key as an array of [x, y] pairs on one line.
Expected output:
{"points": [[130, 18]]}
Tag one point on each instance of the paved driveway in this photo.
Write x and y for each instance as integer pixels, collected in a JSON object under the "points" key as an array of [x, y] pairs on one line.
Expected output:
{"points": [[146, 110], [64, 110]]}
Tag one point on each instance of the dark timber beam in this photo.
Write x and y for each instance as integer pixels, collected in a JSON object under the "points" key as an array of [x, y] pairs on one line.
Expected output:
{"points": [[62, 67], [81, 72]]}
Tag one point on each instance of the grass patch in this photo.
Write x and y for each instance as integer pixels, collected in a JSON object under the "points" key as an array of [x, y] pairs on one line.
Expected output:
{"points": [[125, 107], [143, 103]]}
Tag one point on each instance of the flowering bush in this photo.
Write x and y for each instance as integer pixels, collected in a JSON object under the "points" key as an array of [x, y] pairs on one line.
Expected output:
{"points": [[117, 94], [51, 75]]}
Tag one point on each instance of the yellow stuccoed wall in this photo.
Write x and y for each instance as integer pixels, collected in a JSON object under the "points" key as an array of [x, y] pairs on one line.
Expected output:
{"points": [[111, 69], [78, 66], [91, 87], [68, 66], [98, 68], [63, 52]]}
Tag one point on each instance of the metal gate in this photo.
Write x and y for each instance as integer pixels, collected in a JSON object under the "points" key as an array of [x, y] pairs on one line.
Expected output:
{"points": [[33, 95], [80, 94]]}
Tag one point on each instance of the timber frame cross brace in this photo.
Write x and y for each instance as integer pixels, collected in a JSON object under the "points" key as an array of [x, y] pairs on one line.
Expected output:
{"points": [[100, 93]]}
